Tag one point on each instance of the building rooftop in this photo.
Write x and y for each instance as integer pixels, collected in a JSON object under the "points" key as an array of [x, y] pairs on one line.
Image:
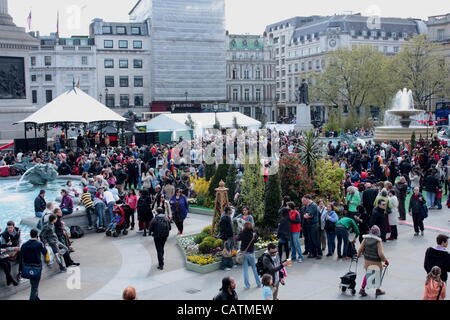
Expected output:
{"points": [[245, 42]]}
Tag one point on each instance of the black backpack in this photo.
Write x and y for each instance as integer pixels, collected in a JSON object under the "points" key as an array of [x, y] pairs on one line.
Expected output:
{"points": [[260, 265], [76, 232], [161, 227]]}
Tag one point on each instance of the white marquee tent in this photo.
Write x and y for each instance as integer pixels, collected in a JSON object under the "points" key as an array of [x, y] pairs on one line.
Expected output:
{"points": [[203, 121], [73, 106]]}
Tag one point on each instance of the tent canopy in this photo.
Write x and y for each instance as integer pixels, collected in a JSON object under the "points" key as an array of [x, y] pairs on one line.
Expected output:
{"points": [[177, 121], [73, 106]]}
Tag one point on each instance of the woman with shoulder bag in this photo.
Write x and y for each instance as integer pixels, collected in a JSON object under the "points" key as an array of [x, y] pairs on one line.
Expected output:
{"points": [[248, 238], [435, 288], [331, 218]]}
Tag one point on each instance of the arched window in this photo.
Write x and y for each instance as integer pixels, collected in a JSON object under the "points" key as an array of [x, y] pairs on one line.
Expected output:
{"points": [[234, 74]]}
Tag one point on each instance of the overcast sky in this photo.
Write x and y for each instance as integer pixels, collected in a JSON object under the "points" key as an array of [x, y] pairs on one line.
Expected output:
{"points": [[242, 16]]}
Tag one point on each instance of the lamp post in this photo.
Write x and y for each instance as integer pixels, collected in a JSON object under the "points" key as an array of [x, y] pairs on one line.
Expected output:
{"points": [[216, 108], [186, 94], [100, 97], [106, 95]]}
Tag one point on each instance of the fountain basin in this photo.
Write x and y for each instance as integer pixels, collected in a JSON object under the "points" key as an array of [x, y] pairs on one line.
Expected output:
{"points": [[389, 133], [405, 116]]}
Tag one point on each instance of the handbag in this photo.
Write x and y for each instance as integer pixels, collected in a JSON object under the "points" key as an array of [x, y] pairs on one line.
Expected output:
{"points": [[439, 294], [424, 211], [240, 254], [31, 271]]}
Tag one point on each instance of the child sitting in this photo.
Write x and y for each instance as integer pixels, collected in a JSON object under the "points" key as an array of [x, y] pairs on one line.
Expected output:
{"points": [[114, 222]]}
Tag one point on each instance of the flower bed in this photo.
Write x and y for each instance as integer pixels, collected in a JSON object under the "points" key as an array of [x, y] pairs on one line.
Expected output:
{"points": [[205, 262]]}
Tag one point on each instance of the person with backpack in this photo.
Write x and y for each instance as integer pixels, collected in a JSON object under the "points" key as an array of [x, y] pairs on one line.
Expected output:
{"points": [[435, 288], [31, 257], [227, 292], [160, 229], [247, 237], [144, 211], [271, 264]]}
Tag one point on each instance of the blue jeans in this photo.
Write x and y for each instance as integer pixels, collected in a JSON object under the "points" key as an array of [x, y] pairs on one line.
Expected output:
{"points": [[431, 196], [331, 241], [89, 212], [295, 246], [250, 260], [342, 236], [39, 214], [100, 209], [110, 211], [66, 211], [34, 289]]}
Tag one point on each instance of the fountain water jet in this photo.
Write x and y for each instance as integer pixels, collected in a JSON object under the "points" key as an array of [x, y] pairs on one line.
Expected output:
{"points": [[397, 123]]}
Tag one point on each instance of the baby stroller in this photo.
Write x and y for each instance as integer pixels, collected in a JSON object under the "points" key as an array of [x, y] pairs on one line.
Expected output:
{"points": [[121, 225], [128, 213], [348, 281]]}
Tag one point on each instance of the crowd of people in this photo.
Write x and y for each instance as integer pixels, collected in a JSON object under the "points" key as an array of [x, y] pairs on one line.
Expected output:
{"points": [[119, 183]]}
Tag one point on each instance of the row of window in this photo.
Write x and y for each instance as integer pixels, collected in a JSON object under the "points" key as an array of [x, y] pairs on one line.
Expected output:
{"points": [[48, 96], [123, 63], [246, 95], [124, 100], [121, 30], [123, 44], [124, 81], [235, 74], [69, 60]]}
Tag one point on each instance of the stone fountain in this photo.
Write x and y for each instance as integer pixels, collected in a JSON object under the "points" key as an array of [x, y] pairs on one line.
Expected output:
{"points": [[397, 121], [40, 174]]}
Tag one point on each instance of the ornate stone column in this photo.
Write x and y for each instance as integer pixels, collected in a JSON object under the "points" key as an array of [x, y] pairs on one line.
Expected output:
{"points": [[219, 205], [5, 18]]}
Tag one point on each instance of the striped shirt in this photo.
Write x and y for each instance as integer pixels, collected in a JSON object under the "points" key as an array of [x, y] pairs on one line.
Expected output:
{"points": [[86, 200]]}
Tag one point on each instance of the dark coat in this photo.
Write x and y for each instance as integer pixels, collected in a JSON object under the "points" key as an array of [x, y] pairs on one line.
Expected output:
{"points": [[415, 206], [368, 198], [402, 189], [377, 218], [225, 227], [248, 239], [39, 204], [284, 229], [431, 183], [182, 205], [434, 257]]}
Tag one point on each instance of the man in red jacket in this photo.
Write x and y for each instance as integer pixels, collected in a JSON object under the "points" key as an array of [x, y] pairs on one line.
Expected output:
{"points": [[296, 228]]}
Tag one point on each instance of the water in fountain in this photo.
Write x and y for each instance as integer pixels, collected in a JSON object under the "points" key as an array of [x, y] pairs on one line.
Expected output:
{"points": [[402, 101]]}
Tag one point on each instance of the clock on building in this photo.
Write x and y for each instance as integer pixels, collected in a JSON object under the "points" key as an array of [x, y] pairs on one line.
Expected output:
{"points": [[332, 43]]}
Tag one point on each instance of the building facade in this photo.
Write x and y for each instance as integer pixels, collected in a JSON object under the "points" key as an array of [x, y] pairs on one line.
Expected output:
{"points": [[301, 45], [123, 65], [188, 53], [60, 63], [250, 77], [15, 93]]}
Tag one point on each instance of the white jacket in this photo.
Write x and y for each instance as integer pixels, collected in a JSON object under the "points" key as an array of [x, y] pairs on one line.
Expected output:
{"points": [[393, 216]]}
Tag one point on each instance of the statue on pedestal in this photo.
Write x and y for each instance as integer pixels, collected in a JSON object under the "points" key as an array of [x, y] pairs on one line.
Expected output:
{"points": [[303, 95]]}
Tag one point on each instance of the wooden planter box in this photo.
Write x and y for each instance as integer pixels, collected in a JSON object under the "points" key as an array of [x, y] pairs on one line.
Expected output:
{"points": [[209, 267]]}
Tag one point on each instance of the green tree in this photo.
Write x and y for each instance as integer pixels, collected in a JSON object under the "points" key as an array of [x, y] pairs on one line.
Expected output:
{"points": [[272, 202], [423, 70], [310, 151], [252, 194], [231, 181], [356, 78], [295, 181], [328, 180], [210, 170], [220, 174]]}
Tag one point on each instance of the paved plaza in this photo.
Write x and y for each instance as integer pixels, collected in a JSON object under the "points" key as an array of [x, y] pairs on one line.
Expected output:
{"points": [[109, 265]]}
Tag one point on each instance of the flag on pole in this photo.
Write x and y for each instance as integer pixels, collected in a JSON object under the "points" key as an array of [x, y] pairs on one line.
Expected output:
{"points": [[57, 24], [29, 21]]}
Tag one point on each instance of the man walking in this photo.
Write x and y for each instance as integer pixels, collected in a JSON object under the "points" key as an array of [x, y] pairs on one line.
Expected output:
{"points": [[31, 256], [272, 265], [402, 188], [160, 229], [438, 256], [226, 234]]}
